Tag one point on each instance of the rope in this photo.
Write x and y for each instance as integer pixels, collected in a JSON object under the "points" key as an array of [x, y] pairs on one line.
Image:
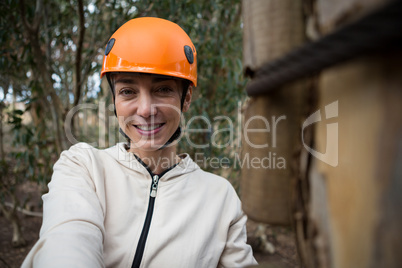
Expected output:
{"points": [[377, 32]]}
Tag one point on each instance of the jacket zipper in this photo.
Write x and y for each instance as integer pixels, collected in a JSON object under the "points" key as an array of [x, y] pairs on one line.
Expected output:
{"points": [[147, 223], [145, 229]]}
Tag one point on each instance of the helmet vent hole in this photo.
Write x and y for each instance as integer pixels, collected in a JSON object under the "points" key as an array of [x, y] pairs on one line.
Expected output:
{"points": [[189, 54], [109, 46]]}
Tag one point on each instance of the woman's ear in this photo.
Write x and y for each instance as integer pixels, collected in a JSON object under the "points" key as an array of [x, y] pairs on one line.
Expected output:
{"points": [[187, 100]]}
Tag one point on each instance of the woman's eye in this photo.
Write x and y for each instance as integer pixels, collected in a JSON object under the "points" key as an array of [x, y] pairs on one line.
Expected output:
{"points": [[164, 90], [126, 92]]}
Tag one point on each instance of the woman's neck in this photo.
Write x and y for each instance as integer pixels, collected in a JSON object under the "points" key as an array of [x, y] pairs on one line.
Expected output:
{"points": [[159, 160]]}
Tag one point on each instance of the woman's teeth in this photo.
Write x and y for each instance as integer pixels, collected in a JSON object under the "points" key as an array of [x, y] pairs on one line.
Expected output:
{"points": [[148, 127]]}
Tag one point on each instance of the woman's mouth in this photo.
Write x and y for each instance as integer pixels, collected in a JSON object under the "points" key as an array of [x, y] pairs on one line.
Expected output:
{"points": [[151, 129]]}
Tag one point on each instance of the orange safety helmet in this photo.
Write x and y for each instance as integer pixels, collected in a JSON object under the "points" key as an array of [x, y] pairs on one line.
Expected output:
{"points": [[151, 45]]}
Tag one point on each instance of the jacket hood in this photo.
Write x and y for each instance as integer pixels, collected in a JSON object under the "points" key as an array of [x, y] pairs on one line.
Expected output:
{"points": [[119, 152]]}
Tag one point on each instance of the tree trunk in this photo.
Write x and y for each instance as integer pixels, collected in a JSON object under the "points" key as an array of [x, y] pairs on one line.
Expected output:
{"points": [[5, 87], [11, 215], [78, 58], [2, 154], [17, 240], [271, 124], [355, 206], [32, 31]]}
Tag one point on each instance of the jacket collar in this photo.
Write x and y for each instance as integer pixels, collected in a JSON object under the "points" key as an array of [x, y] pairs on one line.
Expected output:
{"points": [[119, 152]]}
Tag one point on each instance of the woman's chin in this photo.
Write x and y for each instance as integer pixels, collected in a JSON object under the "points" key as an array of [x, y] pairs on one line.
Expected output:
{"points": [[147, 146]]}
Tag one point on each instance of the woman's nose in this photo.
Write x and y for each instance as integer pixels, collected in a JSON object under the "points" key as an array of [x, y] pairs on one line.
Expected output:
{"points": [[146, 106]]}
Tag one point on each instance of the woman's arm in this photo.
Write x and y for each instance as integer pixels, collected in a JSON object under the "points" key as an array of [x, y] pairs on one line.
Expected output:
{"points": [[72, 229], [237, 253]]}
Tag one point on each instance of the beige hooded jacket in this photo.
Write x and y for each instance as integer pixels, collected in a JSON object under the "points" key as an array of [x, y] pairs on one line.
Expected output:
{"points": [[97, 203]]}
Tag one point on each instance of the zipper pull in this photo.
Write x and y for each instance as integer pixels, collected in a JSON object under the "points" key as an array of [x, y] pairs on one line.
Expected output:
{"points": [[154, 185]]}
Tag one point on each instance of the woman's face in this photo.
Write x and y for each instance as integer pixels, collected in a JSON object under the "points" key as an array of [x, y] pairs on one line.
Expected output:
{"points": [[148, 108]]}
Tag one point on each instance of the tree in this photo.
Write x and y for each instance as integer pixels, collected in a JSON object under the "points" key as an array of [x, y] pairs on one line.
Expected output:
{"points": [[52, 53]]}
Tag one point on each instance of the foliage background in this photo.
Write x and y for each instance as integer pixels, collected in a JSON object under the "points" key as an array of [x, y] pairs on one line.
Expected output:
{"points": [[51, 56]]}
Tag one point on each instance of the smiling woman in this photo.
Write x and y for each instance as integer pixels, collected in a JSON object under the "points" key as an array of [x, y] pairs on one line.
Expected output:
{"points": [[149, 109], [141, 204]]}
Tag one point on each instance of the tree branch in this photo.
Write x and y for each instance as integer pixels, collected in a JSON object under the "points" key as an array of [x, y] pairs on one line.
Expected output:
{"points": [[23, 211], [24, 17], [38, 14], [78, 55]]}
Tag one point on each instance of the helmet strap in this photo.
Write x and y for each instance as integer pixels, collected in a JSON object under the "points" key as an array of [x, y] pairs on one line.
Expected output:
{"points": [[109, 80]]}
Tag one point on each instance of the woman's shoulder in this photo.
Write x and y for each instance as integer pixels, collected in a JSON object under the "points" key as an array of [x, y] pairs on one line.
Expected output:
{"points": [[213, 181], [218, 189], [79, 150], [86, 149], [84, 153]]}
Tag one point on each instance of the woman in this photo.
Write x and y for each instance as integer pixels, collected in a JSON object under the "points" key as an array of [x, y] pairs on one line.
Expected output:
{"points": [[140, 204]]}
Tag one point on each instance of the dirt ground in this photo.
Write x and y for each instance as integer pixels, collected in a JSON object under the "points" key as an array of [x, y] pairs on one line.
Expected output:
{"points": [[13, 257], [282, 238]]}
